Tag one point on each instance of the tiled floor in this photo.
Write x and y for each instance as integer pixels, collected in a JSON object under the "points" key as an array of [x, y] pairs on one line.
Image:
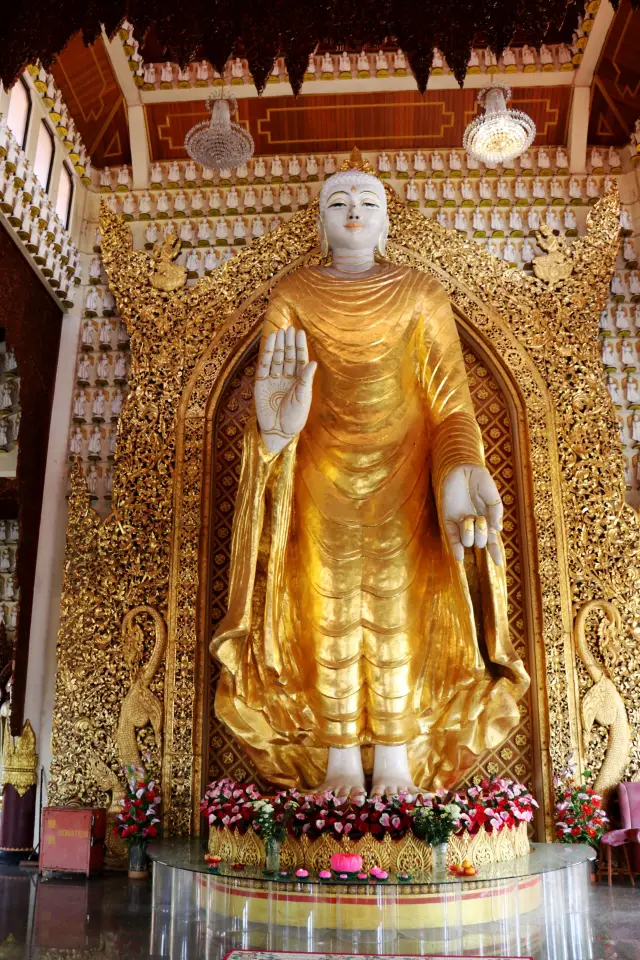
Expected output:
{"points": [[110, 917]]}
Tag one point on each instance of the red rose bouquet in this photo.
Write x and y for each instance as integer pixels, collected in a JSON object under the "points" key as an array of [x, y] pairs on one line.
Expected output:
{"points": [[579, 814], [137, 822]]}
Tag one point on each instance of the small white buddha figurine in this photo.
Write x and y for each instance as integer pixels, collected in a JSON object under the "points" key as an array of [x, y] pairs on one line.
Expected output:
{"points": [[108, 303], [267, 199], [129, 207], [419, 164], [575, 189], [556, 189], [617, 286], [528, 250], [382, 64], [625, 220], [79, 404], [502, 189], [466, 189], [190, 173], [629, 250], [97, 409], [460, 220], [186, 233], [257, 227], [95, 270], [412, 193], [546, 57], [455, 162], [510, 64], [609, 356], [437, 163], [105, 179], [211, 262], [311, 67], [448, 190], [605, 320], [250, 199], [399, 63], [233, 201], [593, 190], [614, 159], [303, 196], [151, 235], [497, 223], [104, 334], [509, 252], [197, 201], [570, 222], [239, 231], [430, 192], [275, 224], [237, 70], [242, 173], [442, 217], [92, 481], [166, 75], [95, 443], [595, 158], [329, 166], [162, 205], [215, 200], [294, 168], [344, 65], [473, 63], [102, 368], [539, 189], [533, 219], [609, 182], [193, 264], [326, 66], [311, 166], [173, 175], [286, 198], [5, 556], [632, 390], [122, 334], [562, 160], [222, 231], [384, 165], [91, 301], [124, 179], [204, 233], [75, 442], [144, 206], [116, 404], [614, 390], [83, 370], [628, 353], [635, 428], [364, 67], [634, 284], [621, 318], [437, 62], [484, 189], [515, 220], [553, 220], [156, 175], [402, 165], [520, 188], [276, 169], [149, 75], [544, 163], [490, 60], [202, 73]]}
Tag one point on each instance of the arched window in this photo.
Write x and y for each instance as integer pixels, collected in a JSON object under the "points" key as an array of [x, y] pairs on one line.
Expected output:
{"points": [[19, 111], [65, 195], [44, 155]]}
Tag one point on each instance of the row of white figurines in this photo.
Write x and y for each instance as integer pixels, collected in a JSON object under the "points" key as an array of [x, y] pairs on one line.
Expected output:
{"points": [[9, 614], [99, 479], [9, 430], [93, 404], [104, 328], [421, 164], [104, 368], [620, 353], [625, 389], [620, 318], [95, 442]]}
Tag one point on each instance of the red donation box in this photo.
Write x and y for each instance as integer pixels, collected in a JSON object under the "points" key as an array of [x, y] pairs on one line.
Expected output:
{"points": [[72, 839]]}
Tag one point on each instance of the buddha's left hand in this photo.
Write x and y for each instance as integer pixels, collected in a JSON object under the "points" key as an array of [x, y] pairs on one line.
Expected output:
{"points": [[472, 511]]}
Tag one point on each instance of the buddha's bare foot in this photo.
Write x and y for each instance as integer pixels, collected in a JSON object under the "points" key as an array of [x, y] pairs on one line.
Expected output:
{"points": [[345, 776], [391, 776]]}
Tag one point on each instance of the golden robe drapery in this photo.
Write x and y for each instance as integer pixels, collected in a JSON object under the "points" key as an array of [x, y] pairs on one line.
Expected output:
{"points": [[349, 621]]}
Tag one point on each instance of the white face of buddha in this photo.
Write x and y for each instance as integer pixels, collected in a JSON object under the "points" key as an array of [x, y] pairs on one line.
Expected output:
{"points": [[355, 215]]}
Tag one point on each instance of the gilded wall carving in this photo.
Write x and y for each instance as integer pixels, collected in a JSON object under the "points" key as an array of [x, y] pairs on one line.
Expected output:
{"points": [[150, 550]]}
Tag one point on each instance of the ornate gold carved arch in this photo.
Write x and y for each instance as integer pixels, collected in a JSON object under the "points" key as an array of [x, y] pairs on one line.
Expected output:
{"points": [[147, 552]]}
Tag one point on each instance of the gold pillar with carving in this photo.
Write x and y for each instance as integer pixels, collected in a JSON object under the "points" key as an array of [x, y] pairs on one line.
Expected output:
{"points": [[19, 781]]}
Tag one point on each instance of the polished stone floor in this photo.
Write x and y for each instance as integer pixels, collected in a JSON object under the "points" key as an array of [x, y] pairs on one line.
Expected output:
{"points": [[110, 917]]}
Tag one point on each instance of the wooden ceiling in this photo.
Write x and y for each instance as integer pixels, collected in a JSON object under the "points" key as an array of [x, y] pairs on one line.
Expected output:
{"points": [[615, 102], [92, 93], [383, 121]]}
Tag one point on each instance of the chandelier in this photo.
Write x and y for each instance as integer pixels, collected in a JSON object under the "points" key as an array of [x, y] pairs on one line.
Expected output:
{"points": [[500, 134], [218, 143]]}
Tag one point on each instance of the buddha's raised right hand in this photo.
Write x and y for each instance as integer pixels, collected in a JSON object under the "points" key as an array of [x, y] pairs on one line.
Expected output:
{"points": [[283, 387]]}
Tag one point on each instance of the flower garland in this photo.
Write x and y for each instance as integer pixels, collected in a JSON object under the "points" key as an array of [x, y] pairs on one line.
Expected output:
{"points": [[495, 804], [138, 819], [579, 814]]}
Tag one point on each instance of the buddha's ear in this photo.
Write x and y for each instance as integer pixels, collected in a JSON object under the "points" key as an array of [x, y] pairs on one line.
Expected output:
{"points": [[381, 246], [322, 233]]}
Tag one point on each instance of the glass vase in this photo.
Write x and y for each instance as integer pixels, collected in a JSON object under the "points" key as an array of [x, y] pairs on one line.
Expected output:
{"points": [[439, 858], [272, 855], [138, 867]]}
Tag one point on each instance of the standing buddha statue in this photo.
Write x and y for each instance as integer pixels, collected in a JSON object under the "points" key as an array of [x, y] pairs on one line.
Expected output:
{"points": [[350, 623]]}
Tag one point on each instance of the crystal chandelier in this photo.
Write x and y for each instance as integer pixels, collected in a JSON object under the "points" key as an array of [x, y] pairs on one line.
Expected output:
{"points": [[500, 134], [218, 143]]}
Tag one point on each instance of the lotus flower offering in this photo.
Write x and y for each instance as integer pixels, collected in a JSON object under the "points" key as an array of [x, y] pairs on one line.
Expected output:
{"points": [[349, 864]]}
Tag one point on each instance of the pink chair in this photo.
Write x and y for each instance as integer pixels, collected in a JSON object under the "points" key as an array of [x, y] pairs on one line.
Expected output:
{"points": [[629, 802], [614, 840]]}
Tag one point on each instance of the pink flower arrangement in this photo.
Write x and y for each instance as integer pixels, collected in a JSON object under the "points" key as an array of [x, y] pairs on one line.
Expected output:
{"points": [[494, 804], [579, 814], [229, 804]]}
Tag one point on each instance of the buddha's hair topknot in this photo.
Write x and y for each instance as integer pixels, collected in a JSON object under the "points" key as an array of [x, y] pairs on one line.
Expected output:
{"points": [[345, 177]]}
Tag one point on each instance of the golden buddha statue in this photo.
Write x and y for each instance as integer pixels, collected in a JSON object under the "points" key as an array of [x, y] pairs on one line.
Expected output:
{"points": [[351, 622]]}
